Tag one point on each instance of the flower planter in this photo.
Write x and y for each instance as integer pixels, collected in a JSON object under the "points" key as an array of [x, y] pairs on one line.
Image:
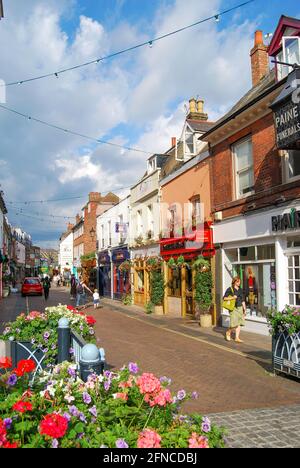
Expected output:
{"points": [[286, 353], [205, 321], [25, 350], [158, 310], [5, 292]]}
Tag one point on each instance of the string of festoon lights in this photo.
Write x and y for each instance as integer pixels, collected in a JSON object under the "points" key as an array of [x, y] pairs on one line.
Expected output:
{"points": [[77, 197], [148, 43]]}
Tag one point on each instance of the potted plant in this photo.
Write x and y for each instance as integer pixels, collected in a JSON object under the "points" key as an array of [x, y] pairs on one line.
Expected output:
{"points": [[153, 263], [157, 291], [285, 330], [203, 294]]}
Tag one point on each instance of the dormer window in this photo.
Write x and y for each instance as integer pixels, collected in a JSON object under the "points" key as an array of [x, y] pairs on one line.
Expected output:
{"points": [[290, 53], [151, 165]]}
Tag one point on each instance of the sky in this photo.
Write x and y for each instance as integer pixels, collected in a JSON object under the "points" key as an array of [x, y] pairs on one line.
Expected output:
{"points": [[137, 99]]}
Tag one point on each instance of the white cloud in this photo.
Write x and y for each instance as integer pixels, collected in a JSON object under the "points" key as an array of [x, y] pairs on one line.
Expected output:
{"points": [[144, 90]]}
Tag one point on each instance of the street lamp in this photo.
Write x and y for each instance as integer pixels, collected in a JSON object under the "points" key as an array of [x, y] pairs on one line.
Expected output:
{"points": [[92, 233]]}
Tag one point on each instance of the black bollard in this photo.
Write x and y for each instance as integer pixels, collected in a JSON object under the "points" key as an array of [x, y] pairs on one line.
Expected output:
{"points": [[64, 340]]}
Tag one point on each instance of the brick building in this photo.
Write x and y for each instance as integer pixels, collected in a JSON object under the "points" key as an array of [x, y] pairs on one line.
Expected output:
{"points": [[253, 183], [84, 231]]}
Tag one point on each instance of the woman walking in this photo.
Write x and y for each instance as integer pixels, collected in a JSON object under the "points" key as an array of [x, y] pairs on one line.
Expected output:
{"points": [[73, 287], [237, 315], [46, 286], [80, 290]]}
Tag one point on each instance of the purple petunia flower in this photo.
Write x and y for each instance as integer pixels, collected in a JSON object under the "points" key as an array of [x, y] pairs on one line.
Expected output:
{"points": [[45, 350], [86, 398], [195, 395], [72, 372], [32, 341], [7, 423], [67, 416], [80, 435], [165, 380], [206, 424], [82, 417], [108, 374], [54, 443], [46, 335], [133, 368], [53, 346], [181, 395], [93, 411], [120, 443], [12, 380], [91, 331], [74, 410], [107, 385]]}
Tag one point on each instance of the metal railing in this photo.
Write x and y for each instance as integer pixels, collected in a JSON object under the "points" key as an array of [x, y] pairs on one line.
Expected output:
{"points": [[286, 353], [77, 344]]}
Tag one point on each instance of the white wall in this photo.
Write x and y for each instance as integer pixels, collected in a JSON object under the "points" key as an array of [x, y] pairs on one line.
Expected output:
{"points": [[66, 252], [116, 214], [21, 253]]}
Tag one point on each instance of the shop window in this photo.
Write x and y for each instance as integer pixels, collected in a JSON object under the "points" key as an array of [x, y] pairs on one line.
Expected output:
{"points": [[293, 242], [196, 211], [259, 287], [266, 252], [293, 164], [174, 282], [247, 253], [294, 280], [232, 255], [140, 280], [243, 164]]}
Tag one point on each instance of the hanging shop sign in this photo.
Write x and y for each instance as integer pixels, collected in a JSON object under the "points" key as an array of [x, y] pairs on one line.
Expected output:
{"points": [[286, 221], [103, 258], [121, 228], [120, 255], [286, 110]]}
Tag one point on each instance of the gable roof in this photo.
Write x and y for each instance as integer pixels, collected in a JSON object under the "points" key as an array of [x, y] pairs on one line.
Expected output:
{"points": [[284, 22], [262, 89]]}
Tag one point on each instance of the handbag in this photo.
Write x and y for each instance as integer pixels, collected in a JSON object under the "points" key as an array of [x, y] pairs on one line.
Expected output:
{"points": [[229, 304]]}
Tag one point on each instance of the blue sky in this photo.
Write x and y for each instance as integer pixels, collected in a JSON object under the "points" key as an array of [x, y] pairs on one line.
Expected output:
{"points": [[137, 99]]}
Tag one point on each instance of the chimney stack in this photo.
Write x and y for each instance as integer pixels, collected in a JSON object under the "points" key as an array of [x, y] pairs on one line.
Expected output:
{"points": [[78, 218], [197, 110], [94, 197], [259, 59], [70, 227]]}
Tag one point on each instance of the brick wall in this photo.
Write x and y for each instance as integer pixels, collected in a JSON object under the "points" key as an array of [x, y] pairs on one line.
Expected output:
{"points": [[90, 221], [267, 171]]}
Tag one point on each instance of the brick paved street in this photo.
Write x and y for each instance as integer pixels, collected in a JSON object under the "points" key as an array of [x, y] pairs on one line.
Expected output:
{"points": [[234, 383]]}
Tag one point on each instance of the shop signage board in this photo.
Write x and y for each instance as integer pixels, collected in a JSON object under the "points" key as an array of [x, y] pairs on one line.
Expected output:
{"points": [[286, 110], [286, 221], [120, 255]]}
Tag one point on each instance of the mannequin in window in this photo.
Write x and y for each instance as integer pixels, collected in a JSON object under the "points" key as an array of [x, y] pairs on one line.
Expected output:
{"points": [[251, 289]]}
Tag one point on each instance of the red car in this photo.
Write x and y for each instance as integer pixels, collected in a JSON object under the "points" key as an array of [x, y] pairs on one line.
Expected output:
{"points": [[32, 286]]}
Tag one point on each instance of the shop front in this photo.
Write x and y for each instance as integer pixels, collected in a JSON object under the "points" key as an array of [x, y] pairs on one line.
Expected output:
{"points": [[141, 283], [104, 274], [121, 277], [178, 255], [264, 251]]}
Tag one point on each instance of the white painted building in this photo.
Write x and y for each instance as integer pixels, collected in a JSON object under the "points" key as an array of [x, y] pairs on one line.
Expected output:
{"points": [[263, 249], [112, 239], [66, 252]]}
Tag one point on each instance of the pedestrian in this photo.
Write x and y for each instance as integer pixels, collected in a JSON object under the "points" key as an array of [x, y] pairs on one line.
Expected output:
{"points": [[80, 291], [73, 287], [96, 299], [238, 312], [46, 286]]}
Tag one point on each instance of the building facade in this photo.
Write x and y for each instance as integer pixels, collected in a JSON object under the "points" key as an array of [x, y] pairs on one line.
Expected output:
{"points": [[254, 186], [113, 240]]}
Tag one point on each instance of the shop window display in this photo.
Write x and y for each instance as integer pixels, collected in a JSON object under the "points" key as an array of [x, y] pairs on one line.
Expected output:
{"points": [[259, 286], [294, 280]]}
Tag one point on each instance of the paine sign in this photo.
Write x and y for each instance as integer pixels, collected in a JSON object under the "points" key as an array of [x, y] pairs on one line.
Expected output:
{"points": [[287, 124], [286, 221]]}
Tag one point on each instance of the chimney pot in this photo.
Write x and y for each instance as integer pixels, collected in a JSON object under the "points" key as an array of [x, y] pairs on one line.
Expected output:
{"points": [[173, 141], [193, 108], [259, 59], [200, 106]]}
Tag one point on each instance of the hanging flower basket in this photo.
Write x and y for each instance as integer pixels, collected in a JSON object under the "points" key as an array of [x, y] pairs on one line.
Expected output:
{"points": [[125, 266], [153, 263]]}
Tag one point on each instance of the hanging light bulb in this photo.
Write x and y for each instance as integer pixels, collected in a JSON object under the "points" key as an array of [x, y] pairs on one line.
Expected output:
{"points": [[150, 44], [56, 74], [217, 18]]}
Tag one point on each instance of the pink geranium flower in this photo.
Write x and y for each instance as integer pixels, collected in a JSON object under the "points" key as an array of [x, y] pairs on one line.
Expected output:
{"points": [[149, 439], [197, 441], [148, 383]]}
